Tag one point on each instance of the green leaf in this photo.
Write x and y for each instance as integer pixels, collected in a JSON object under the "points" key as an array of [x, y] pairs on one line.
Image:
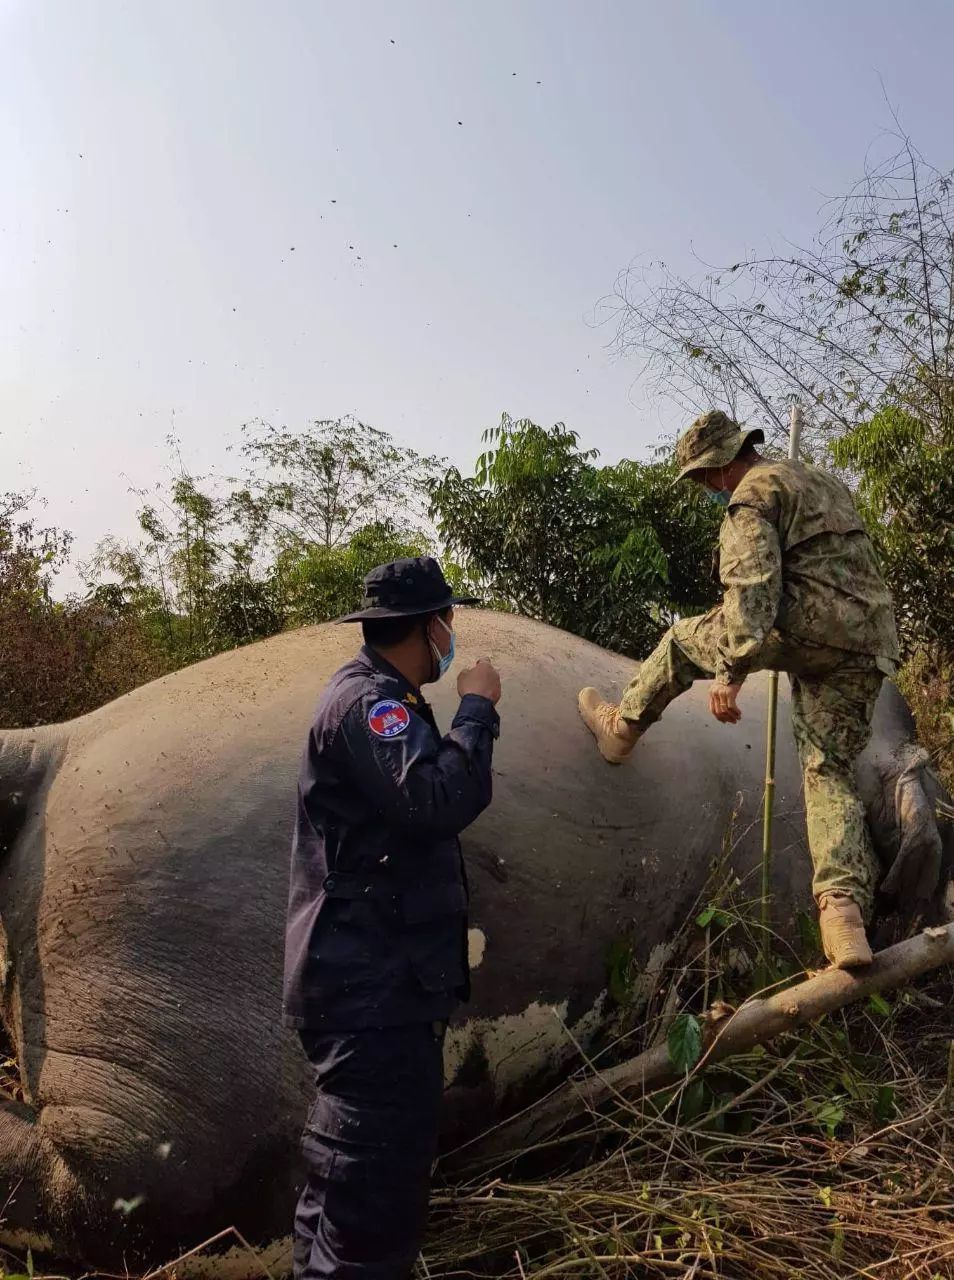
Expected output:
{"points": [[618, 966], [830, 1115], [808, 933], [877, 1004], [684, 1041], [838, 1241], [850, 1084], [693, 1101], [713, 915], [885, 1108]]}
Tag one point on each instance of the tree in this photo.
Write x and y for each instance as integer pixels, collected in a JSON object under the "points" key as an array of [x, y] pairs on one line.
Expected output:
{"points": [[315, 512], [906, 492], [58, 659], [684, 523], [242, 609], [29, 555], [522, 521], [317, 583], [545, 532], [318, 487], [859, 320], [191, 577], [171, 575]]}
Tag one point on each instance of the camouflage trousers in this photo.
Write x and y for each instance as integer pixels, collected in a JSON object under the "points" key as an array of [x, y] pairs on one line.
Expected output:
{"points": [[833, 699]]}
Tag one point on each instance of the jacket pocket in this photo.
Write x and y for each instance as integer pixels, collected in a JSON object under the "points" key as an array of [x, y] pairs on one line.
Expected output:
{"points": [[435, 935], [342, 940], [432, 901]]}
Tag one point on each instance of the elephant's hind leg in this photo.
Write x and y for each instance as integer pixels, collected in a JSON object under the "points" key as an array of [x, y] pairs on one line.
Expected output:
{"points": [[38, 1191]]}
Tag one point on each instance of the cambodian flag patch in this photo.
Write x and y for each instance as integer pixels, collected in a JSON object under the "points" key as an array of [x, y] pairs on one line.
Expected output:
{"points": [[388, 719]]}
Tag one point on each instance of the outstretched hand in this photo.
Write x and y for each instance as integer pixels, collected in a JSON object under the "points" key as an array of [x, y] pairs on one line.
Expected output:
{"points": [[723, 703]]}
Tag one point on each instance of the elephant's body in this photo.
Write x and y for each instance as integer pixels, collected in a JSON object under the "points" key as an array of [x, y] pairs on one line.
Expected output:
{"points": [[142, 897]]}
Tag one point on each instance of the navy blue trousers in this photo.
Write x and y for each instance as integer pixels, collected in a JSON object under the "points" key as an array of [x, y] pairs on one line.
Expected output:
{"points": [[369, 1145]]}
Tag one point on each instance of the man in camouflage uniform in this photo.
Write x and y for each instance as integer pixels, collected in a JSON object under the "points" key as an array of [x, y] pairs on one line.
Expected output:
{"points": [[803, 594]]}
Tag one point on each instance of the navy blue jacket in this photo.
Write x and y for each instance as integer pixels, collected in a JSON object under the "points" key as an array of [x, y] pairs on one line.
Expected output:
{"points": [[377, 924]]}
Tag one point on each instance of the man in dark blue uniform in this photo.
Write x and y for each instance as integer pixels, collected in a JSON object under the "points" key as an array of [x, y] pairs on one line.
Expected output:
{"points": [[376, 944]]}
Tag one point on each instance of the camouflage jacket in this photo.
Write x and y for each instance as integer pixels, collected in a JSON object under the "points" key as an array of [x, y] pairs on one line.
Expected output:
{"points": [[794, 556]]}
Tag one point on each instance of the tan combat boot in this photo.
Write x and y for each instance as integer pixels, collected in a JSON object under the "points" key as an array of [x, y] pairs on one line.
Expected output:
{"points": [[843, 932], [614, 736]]}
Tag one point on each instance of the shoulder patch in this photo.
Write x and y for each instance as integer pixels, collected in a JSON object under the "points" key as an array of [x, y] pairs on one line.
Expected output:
{"points": [[388, 719]]}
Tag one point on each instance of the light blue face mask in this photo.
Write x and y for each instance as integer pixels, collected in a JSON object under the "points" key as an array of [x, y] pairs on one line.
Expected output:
{"points": [[721, 497], [445, 660]]}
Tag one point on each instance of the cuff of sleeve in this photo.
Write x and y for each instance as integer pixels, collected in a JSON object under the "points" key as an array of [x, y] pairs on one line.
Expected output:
{"points": [[475, 709], [726, 674]]}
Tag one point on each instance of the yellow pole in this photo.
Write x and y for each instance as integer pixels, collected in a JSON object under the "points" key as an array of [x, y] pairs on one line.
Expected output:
{"points": [[768, 806]]}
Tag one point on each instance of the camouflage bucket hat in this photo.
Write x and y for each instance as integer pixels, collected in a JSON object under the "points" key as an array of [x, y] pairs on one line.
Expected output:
{"points": [[714, 440]]}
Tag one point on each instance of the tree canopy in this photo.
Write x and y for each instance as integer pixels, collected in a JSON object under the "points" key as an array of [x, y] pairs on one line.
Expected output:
{"points": [[611, 553], [858, 320]]}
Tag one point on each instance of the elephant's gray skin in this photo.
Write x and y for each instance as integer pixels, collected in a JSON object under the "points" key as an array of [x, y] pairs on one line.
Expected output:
{"points": [[142, 896]]}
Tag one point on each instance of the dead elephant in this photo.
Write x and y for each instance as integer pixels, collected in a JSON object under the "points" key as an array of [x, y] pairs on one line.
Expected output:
{"points": [[142, 896]]}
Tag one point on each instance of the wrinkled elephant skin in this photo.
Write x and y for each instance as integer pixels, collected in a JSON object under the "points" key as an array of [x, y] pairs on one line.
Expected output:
{"points": [[142, 897]]}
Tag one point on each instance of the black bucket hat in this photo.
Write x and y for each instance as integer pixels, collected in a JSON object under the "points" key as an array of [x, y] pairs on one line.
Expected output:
{"points": [[405, 589]]}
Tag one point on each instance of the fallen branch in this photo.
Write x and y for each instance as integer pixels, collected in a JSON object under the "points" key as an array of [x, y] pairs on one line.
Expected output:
{"points": [[755, 1022], [232, 1232]]}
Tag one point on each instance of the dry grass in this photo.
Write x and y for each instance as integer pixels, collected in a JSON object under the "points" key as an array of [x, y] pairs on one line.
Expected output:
{"points": [[828, 1155], [781, 1200]]}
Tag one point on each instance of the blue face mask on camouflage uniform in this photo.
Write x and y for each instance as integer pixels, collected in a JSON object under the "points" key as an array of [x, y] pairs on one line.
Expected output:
{"points": [[722, 497]]}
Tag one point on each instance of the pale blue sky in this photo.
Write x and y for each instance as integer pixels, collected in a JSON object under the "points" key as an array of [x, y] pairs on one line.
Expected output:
{"points": [[161, 158]]}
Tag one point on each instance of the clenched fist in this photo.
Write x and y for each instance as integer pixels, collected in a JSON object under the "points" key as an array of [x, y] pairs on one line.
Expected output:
{"points": [[723, 703], [482, 679]]}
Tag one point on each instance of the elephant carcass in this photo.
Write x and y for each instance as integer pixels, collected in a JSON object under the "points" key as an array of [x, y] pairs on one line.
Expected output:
{"points": [[142, 898]]}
